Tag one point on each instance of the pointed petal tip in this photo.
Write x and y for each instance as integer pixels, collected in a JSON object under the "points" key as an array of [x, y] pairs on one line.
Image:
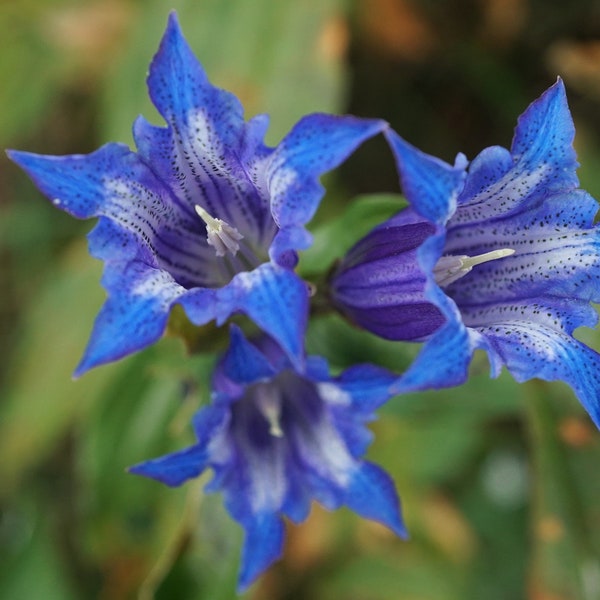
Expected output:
{"points": [[262, 547], [372, 495], [430, 184], [176, 468], [173, 23], [25, 160], [13, 154], [85, 364], [557, 92]]}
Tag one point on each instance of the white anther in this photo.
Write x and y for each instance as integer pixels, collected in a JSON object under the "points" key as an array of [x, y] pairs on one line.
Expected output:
{"points": [[219, 234], [450, 268]]}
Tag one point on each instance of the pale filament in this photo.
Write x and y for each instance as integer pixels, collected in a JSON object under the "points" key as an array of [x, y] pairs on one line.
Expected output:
{"points": [[451, 268], [269, 404], [220, 235]]}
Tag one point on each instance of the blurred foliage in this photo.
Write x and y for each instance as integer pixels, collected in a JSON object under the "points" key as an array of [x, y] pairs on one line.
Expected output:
{"points": [[498, 480]]}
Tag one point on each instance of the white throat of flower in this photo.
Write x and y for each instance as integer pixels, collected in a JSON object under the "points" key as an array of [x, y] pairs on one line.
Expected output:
{"points": [[220, 235], [450, 268]]}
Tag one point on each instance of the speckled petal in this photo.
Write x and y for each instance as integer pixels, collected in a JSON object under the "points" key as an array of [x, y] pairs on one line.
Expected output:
{"points": [[207, 155], [553, 254], [564, 265], [178, 86], [544, 163], [563, 314], [73, 183], [138, 216], [490, 165], [531, 349], [544, 136]]}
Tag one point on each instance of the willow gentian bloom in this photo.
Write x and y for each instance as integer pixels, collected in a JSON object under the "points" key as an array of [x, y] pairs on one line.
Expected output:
{"points": [[203, 214], [502, 256], [277, 438]]}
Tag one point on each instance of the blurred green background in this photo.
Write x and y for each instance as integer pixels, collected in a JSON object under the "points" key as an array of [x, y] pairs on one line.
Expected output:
{"points": [[499, 482]]}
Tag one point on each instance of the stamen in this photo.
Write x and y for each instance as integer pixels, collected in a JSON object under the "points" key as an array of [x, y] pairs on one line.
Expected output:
{"points": [[451, 268], [269, 404], [219, 234]]}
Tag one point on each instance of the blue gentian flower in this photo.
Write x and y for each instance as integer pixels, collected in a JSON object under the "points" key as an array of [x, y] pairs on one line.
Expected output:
{"points": [[502, 256], [277, 438], [203, 214]]}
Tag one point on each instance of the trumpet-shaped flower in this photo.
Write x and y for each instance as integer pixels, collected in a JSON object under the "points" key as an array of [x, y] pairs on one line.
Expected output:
{"points": [[203, 214], [503, 256], [277, 438]]}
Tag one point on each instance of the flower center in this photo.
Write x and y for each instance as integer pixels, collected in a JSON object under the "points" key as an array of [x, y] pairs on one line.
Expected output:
{"points": [[234, 252], [220, 235], [450, 268]]}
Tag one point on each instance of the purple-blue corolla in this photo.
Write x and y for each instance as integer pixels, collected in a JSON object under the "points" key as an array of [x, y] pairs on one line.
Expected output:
{"points": [[278, 438], [203, 214], [502, 254]]}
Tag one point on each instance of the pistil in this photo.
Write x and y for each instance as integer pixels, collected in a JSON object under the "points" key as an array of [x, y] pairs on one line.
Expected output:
{"points": [[451, 268], [220, 235], [269, 404]]}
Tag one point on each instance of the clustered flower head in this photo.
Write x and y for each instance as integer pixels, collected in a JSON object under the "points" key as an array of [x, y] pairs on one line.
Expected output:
{"points": [[501, 254]]}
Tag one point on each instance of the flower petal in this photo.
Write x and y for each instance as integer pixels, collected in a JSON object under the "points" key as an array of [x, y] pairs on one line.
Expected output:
{"points": [[316, 144], [531, 349], [179, 86], [176, 468], [208, 155], [368, 387], [544, 136], [276, 299], [135, 314], [430, 185], [372, 495], [490, 165], [322, 456], [75, 183], [564, 314], [263, 545], [243, 362], [443, 361], [551, 257], [544, 163], [143, 221], [352, 399], [380, 286]]}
